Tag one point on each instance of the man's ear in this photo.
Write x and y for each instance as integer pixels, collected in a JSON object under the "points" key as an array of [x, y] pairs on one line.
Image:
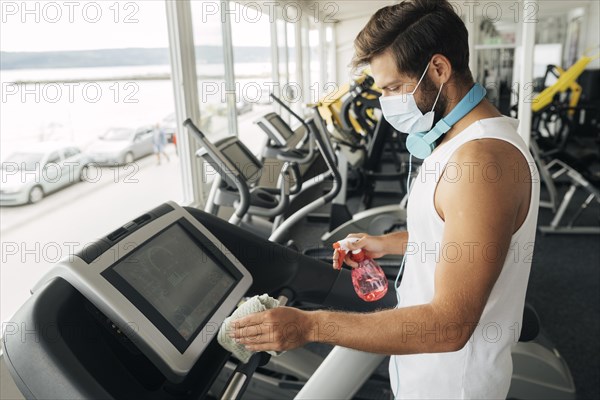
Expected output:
{"points": [[442, 69]]}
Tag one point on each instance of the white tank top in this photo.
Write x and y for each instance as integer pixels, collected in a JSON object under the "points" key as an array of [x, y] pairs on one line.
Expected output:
{"points": [[483, 368]]}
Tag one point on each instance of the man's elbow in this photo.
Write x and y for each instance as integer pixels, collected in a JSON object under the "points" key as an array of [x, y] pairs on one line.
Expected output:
{"points": [[456, 336], [458, 327], [455, 344]]}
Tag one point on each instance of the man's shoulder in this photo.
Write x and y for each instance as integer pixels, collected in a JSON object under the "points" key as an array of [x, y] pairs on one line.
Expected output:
{"points": [[487, 172], [489, 152]]}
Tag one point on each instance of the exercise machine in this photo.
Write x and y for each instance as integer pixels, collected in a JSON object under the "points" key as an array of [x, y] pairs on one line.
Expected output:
{"points": [[557, 114], [353, 120], [282, 140], [550, 174], [555, 109], [361, 111], [374, 221], [135, 314], [234, 184], [348, 154]]}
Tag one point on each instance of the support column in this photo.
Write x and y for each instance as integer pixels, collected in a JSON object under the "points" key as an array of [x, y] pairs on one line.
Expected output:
{"points": [[526, 72], [230, 93], [185, 88]]}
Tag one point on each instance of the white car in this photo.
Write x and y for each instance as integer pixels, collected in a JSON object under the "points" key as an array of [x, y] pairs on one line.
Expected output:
{"points": [[39, 169], [119, 146]]}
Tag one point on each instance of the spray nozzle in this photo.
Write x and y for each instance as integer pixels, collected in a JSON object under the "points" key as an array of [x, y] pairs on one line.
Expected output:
{"points": [[341, 249]]}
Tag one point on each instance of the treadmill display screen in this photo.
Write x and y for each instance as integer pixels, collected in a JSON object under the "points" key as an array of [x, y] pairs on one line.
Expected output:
{"points": [[281, 127], [173, 275], [242, 160]]}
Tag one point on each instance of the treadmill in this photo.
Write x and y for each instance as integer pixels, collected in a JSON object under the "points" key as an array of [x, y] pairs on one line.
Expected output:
{"points": [[135, 314]]}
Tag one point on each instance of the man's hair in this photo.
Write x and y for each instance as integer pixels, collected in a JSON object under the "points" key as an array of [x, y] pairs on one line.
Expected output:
{"points": [[413, 31]]}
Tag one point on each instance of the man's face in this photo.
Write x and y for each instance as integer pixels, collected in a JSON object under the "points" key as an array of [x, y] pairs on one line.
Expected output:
{"points": [[392, 83], [388, 78]]}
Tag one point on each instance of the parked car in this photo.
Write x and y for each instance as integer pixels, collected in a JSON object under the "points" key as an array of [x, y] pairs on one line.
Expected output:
{"points": [[122, 145], [30, 174]]}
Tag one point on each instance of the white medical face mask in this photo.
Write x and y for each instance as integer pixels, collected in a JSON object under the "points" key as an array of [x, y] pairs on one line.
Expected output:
{"points": [[402, 113]]}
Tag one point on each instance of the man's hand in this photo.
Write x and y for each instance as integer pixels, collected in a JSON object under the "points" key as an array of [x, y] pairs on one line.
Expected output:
{"points": [[374, 247], [279, 329]]}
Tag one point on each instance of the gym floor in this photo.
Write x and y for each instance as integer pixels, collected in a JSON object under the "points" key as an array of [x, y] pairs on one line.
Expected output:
{"points": [[564, 288]]}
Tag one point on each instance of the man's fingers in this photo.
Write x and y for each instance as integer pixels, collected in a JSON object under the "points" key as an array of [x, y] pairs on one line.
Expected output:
{"points": [[359, 244], [246, 332], [249, 320], [253, 340], [261, 347], [350, 262], [358, 235], [336, 264]]}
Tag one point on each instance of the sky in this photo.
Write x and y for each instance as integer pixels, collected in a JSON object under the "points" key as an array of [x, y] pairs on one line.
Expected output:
{"points": [[102, 24]]}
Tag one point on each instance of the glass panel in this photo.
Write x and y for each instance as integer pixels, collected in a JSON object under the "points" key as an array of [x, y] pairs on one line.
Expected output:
{"points": [[251, 36], [316, 86], [71, 74], [291, 44], [306, 96], [293, 89], [210, 67], [330, 83], [282, 51]]}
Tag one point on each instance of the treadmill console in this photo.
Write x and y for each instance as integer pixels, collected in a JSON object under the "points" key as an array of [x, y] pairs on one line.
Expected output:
{"points": [[276, 129], [232, 160], [165, 281], [238, 154]]}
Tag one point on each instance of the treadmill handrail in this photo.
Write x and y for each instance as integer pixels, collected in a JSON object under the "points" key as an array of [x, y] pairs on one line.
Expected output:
{"points": [[319, 133], [306, 137], [284, 197], [281, 144], [288, 155], [239, 181], [244, 204], [288, 109]]}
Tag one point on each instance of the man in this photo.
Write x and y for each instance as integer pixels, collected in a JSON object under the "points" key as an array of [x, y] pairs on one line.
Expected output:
{"points": [[472, 215], [159, 140]]}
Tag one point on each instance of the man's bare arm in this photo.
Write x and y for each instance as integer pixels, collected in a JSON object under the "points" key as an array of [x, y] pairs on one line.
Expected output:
{"points": [[396, 242], [480, 214], [418, 329]]}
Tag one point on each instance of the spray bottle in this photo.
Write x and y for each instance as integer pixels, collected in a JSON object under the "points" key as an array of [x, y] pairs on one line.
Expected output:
{"points": [[368, 279]]}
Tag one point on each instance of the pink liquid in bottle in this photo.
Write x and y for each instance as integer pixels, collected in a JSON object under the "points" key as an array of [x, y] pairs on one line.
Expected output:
{"points": [[369, 280]]}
